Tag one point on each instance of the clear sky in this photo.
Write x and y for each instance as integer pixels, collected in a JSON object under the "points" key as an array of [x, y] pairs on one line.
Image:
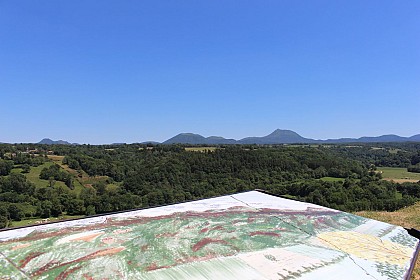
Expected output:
{"points": [[130, 71]]}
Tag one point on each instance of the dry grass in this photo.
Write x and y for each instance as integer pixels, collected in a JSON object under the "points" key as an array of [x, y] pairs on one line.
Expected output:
{"points": [[59, 160], [408, 217], [401, 180], [200, 149]]}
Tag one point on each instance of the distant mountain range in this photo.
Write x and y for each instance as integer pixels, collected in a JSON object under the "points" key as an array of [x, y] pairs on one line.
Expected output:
{"points": [[48, 141], [279, 136]]}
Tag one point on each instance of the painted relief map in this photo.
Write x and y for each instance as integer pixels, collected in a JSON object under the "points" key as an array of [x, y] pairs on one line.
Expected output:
{"points": [[249, 235]]}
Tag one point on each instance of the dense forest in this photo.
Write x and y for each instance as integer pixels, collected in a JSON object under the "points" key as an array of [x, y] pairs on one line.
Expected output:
{"points": [[45, 181]]}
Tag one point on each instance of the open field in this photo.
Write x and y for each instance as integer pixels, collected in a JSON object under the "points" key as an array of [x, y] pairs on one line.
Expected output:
{"points": [[33, 176], [200, 149], [395, 151], [28, 222], [16, 170], [399, 175], [408, 217]]}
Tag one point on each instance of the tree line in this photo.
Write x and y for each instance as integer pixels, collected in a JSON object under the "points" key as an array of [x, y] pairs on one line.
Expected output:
{"points": [[136, 175]]}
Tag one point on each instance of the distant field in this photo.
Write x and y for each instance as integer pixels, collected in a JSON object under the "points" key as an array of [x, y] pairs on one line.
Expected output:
{"points": [[81, 178], [34, 221], [78, 182], [59, 160], [33, 176], [395, 151], [399, 175], [408, 217], [200, 149]]}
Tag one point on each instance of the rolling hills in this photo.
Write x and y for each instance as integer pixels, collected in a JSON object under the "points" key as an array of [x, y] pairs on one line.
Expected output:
{"points": [[279, 136]]}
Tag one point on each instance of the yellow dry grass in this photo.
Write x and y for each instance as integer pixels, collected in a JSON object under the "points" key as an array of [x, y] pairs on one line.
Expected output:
{"points": [[408, 217], [59, 160], [401, 180], [200, 149]]}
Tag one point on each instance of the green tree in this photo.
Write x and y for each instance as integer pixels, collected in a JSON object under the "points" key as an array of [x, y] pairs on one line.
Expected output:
{"points": [[4, 217], [90, 210], [5, 167], [76, 207], [44, 209], [15, 213], [26, 168]]}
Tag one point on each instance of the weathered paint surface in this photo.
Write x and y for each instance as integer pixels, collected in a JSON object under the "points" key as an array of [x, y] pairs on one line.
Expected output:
{"points": [[244, 236]]}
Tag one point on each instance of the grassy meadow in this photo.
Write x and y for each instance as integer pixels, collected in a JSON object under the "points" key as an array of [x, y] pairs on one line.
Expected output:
{"points": [[399, 175], [33, 176]]}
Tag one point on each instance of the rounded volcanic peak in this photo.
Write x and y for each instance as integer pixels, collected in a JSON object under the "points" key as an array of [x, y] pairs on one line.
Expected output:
{"points": [[47, 141], [283, 133], [285, 136], [189, 134], [186, 138], [279, 136], [215, 138]]}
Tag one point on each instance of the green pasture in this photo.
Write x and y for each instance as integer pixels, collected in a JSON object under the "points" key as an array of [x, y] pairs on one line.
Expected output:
{"points": [[398, 174], [16, 170], [33, 176]]}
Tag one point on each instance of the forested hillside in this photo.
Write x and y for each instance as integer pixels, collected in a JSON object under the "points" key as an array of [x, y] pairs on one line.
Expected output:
{"points": [[43, 181]]}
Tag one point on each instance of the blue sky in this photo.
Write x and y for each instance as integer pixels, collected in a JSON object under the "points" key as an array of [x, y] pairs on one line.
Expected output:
{"points": [[130, 71]]}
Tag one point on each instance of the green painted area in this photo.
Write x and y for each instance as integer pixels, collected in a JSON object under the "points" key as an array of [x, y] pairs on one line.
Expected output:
{"points": [[147, 244], [9, 271], [226, 268], [397, 173], [240, 236]]}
